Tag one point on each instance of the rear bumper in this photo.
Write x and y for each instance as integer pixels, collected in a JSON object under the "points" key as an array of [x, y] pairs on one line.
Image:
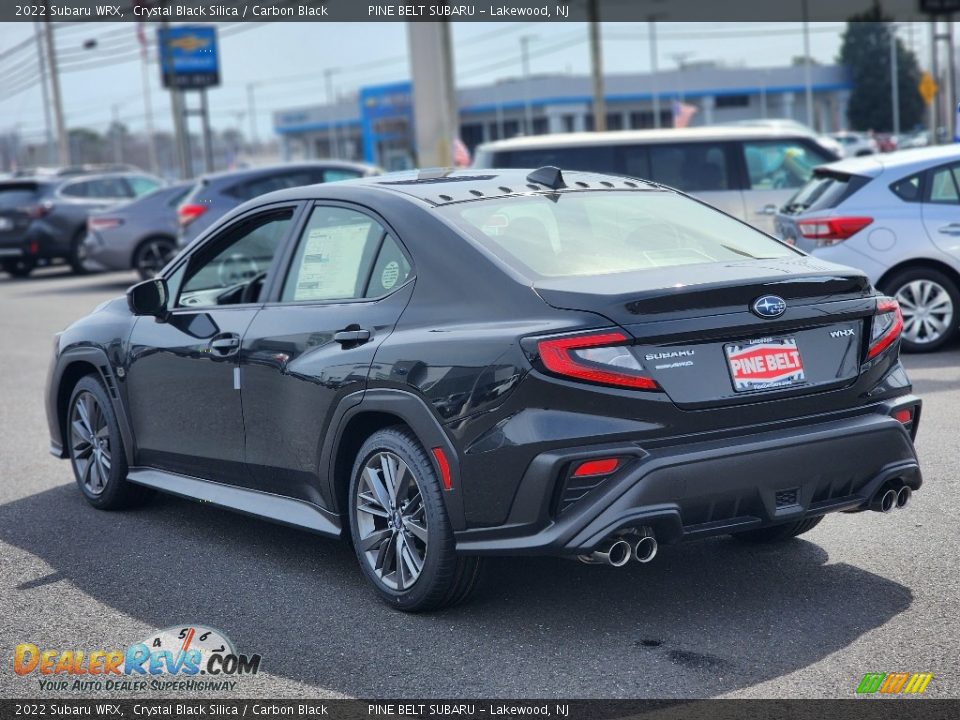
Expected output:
{"points": [[696, 489]]}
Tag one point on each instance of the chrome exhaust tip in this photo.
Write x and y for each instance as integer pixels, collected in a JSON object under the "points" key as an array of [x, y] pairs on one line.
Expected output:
{"points": [[884, 501], [903, 497], [645, 549], [613, 552]]}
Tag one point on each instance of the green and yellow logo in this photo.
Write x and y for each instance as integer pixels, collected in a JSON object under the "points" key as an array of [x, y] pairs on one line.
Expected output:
{"points": [[901, 683]]}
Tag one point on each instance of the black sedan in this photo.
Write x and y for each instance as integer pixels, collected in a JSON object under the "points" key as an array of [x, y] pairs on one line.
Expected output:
{"points": [[448, 365]]}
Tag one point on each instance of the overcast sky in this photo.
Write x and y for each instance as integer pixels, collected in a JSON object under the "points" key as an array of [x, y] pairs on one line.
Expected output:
{"points": [[286, 61]]}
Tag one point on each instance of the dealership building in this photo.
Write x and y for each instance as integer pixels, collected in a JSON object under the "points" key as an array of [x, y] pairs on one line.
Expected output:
{"points": [[376, 124]]}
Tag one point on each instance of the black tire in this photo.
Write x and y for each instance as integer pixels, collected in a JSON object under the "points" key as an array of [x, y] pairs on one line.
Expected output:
{"points": [[116, 492], [152, 255], [779, 533], [899, 286], [77, 254], [445, 578], [19, 268]]}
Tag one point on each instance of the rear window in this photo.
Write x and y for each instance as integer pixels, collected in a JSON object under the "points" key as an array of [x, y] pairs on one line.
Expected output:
{"points": [[13, 197], [596, 233], [824, 191]]}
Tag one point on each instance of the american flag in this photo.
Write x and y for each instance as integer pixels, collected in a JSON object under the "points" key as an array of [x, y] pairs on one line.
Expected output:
{"points": [[682, 112], [461, 156]]}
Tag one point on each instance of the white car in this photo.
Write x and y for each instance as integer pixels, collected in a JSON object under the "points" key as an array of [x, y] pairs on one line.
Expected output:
{"points": [[854, 144], [897, 217]]}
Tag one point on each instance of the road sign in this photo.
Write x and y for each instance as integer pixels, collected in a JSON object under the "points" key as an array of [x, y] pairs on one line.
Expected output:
{"points": [[927, 88], [188, 56]]}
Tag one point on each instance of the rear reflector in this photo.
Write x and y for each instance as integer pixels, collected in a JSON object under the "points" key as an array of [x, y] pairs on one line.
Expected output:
{"points": [[589, 468], [829, 231], [189, 212], [886, 327], [600, 358], [441, 458], [903, 416]]}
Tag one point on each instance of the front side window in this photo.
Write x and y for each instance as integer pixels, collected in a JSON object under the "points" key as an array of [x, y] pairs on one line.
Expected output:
{"points": [[945, 185], [344, 255], [231, 269], [108, 187], [596, 233], [776, 164]]}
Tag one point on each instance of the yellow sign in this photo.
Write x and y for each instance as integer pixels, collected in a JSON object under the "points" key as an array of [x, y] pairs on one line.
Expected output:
{"points": [[927, 87], [188, 43]]}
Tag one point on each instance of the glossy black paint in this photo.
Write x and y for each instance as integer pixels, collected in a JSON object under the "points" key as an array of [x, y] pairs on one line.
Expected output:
{"points": [[452, 354]]}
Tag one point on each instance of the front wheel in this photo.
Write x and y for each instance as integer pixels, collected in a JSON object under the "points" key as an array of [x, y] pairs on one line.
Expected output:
{"points": [[400, 529], [929, 301]]}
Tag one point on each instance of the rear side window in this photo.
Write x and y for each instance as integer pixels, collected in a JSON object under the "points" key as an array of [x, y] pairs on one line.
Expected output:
{"points": [[596, 233], [107, 187], [908, 188], [141, 184], [691, 167], [77, 189], [343, 255], [17, 196], [825, 190], [778, 164], [335, 174], [277, 181], [591, 158]]}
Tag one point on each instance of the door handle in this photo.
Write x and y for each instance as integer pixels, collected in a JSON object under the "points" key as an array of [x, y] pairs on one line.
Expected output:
{"points": [[225, 345], [770, 209], [351, 336], [951, 229]]}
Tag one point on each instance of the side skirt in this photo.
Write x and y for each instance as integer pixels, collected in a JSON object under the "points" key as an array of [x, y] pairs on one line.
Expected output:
{"points": [[283, 510]]}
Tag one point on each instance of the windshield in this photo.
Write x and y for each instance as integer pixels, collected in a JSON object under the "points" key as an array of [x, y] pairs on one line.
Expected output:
{"points": [[596, 233]]}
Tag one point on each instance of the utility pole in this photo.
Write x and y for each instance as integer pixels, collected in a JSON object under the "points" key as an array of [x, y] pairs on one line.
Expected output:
{"points": [[252, 112], [807, 70], [115, 132], [894, 80], [333, 135], [63, 142], [148, 110], [181, 139], [48, 131], [525, 71], [596, 69], [935, 70], [654, 70]]}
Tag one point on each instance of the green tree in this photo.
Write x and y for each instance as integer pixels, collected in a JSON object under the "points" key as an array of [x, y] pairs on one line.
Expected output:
{"points": [[865, 53]]}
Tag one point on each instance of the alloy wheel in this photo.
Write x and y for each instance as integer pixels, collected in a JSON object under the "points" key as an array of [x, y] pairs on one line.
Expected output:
{"points": [[391, 521], [90, 443], [153, 258], [927, 311]]}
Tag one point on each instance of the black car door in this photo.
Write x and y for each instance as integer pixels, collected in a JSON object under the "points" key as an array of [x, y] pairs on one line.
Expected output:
{"points": [[182, 378], [312, 344]]}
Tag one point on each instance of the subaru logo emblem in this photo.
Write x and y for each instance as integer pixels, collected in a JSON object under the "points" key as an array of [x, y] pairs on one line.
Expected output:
{"points": [[769, 306]]}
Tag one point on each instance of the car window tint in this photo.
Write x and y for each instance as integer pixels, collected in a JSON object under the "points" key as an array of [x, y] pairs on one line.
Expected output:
{"points": [[242, 254], [108, 187], [16, 197], [907, 188], [691, 167], [334, 256], [945, 185], [636, 161], [334, 174], [776, 164], [76, 189], [390, 270], [592, 158], [142, 185]]}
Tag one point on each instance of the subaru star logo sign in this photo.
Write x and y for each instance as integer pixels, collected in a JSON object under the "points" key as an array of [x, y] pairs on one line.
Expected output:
{"points": [[769, 306]]}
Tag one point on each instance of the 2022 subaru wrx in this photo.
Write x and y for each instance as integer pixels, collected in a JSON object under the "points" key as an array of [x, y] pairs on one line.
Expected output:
{"points": [[450, 365]]}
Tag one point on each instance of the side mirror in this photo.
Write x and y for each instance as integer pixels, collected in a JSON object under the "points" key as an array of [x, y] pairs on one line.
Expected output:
{"points": [[149, 298]]}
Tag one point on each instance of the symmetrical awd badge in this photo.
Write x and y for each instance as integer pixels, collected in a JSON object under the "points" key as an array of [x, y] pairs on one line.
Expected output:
{"points": [[769, 306]]}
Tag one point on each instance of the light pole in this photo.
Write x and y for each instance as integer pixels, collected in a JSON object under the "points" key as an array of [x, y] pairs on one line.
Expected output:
{"points": [[252, 112], [894, 80], [654, 70], [525, 71], [807, 78], [63, 142], [596, 69], [48, 131], [333, 138]]}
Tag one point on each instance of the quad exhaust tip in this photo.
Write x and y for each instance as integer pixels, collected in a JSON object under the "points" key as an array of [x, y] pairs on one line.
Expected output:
{"points": [[613, 551], [645, 548], [903, 497]]}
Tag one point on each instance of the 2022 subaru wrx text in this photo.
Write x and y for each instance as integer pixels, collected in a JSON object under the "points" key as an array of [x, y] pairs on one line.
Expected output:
{"points": [[451, 365]]}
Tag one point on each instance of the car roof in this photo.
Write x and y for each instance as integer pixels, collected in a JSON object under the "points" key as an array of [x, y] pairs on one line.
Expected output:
{"points": [[446, 185], [900, 161], [252, 172], [617, 137]]}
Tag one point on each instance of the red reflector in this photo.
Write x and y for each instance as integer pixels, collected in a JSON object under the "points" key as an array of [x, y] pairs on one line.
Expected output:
{"points": [[186, 214], [596, 467], [444, 466], [903, 416], [34, 247]]}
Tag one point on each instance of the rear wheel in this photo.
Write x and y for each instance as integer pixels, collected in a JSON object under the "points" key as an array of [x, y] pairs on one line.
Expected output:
{"points": [[152, 256], [779, 533], [399, 526], [96, 449], [929, 301], [19, 268], [78, 253]]}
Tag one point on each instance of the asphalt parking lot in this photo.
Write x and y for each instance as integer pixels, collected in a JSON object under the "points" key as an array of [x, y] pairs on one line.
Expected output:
{"points": [[861, 593]]}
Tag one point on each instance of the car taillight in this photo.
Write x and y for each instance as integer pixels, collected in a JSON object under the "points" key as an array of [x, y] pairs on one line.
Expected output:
{"points": [[830, 231], [103, 223], [189, 212], [35, 212], [886, 327], [599, 357]]}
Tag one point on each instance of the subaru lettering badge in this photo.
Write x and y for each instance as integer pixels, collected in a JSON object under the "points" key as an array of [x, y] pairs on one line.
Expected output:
{"points": [[769, 306]]}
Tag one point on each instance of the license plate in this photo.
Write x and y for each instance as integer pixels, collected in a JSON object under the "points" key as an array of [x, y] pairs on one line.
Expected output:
{"points": [[764, 364]]}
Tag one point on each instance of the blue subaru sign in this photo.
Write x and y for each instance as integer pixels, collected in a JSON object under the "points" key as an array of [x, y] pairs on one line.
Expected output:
{"points": [[769, 306], [188, 56]]}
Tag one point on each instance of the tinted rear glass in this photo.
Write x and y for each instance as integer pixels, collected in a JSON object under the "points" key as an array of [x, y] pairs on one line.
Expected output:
{"points": [[597, 233], [592, 158], [14, 197], [824, 191]]}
